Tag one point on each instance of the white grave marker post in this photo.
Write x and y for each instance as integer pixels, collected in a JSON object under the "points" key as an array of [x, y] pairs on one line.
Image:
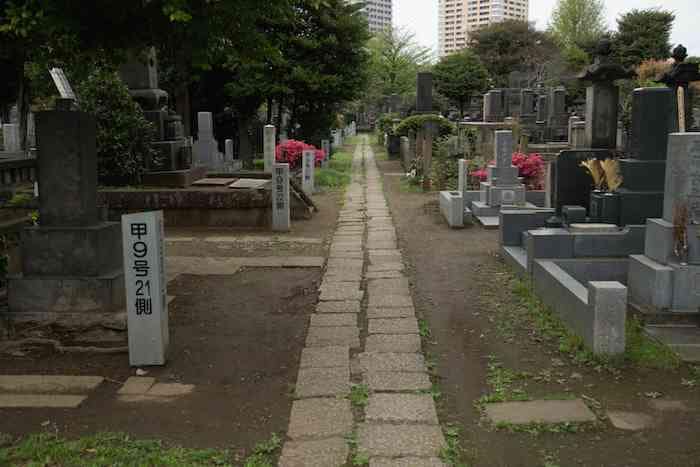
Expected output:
{"points": [[146, 301], [307, 173], [269, 147], [281, 219], [462, 178]]}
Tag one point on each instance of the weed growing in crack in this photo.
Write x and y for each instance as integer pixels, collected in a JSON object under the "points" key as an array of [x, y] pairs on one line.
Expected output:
{"points": [[359, 395]]}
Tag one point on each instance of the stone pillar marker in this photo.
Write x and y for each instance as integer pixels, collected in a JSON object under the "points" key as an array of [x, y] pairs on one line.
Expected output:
{"points": [[307, 171], [228, 152], [326, 147], [206, 148], [281, 219], [146, 296], [269, 142], [462, 177], [424, 94], [602, 97], [11, 137]]}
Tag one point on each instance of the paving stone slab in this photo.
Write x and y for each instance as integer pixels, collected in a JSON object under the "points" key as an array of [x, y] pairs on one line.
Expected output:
{"points": [[396, 381], [320, 382], [347, 255], [49, 383], [390, 301], [404, 312], [416, 408], [393, 343], [407, 462], [630, 421], [325, 357], [320, 418], [334, 285], [389, 287], [669, 405], [385, 267], [392, 361], [341, 292], [40, 401], [346, 306], [342, 276], [332, 452], [383, 274], [385, 440], [327, 336], [549, 411], [170, 390], [391, 252], [331, 320], [393, 326], [345, 263], [381, 245], [136, 385]]}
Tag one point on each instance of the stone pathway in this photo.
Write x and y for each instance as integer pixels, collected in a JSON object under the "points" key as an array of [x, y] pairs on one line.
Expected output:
{"points": [[364, 333]]}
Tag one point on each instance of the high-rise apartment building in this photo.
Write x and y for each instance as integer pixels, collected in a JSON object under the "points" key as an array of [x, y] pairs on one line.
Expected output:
{"points": [[379, 14], [457, 18]]}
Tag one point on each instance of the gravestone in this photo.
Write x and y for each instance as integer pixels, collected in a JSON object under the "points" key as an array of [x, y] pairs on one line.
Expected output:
{"points": [[424, 93], [72, 261], [503, 186], [494, 106], [281, 221], [643, 170], [269, 144], [528, 114], [11, 137], [146, 288], [667, 276], [542, 108], [557, 117], [602, 97], [681, 75], [307, 171], [572, 183], [173, 164], [206, 148]]}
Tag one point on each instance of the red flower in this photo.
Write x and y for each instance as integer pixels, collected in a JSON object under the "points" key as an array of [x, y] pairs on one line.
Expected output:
{"points": [[291, 152]]}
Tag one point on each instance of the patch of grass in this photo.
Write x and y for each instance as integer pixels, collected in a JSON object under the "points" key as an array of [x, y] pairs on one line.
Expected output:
{"points": [[538, 429], [692, 382], [264, 453], [380, 152], [330, 179], [108, 449], [434, 391], [424, 329], [360, 459], [550, 460], [644, 351], [359, 395], [452, 454], [502, 380]]}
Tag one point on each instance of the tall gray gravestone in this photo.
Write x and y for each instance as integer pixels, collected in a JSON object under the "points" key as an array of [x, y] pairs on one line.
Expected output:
{"points": [[206, 149], [269, 145], [503, 186], [667, 276], [424, 93], [72, 261]]}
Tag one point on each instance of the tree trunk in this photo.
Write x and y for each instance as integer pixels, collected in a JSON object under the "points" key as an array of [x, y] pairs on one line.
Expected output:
{"points": [[427, 158], [269, 110], [183, 107], [23, 107], [280, 117], [245, 148], [461, 109]]}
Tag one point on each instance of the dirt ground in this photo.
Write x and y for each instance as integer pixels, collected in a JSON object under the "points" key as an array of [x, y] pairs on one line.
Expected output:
{"points": [[237, 338], [463, 290]]}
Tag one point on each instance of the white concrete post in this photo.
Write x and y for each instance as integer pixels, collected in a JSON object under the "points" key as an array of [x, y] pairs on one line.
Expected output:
{"points": [[281, 218], [146, 296], [308, 169]]}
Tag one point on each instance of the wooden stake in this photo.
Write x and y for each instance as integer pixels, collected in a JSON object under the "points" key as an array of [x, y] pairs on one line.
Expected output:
{"points": [[681, 109]]}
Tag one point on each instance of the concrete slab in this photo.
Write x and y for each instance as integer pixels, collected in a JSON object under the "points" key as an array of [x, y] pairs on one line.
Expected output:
{"points": [[136, 385], [393, 326], [402, 362], [335, 319], [340, 291], [170, 390], [489, 222], [405, 312], [383, 267], [347, 306], [333, 336], [332, 452], [407, 462], [325, 357], [320, 418], [215, 182], [410, 408], [390, 301], [630, 421], [547, 411], [40, 401], [393, 343], [322, 382], [384, 274], [49, 383], [396, 381], [385, 440]]}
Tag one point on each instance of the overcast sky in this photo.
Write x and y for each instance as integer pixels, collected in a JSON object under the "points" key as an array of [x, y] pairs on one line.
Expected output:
{"points": [[420, 16]]}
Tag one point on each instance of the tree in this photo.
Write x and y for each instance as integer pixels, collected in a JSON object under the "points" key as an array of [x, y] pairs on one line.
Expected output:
{"points": [[460, 75], [643, 35], [575, 24], [512, 46]]}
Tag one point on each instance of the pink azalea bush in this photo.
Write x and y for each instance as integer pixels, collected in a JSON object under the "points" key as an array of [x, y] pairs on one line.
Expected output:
{"points": [[530, 167], [291, 152]]}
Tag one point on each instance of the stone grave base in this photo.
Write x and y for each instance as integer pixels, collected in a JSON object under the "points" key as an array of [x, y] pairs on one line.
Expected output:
{"points": [[671, 286], [48, 299], [588, 298], [453, 209], [174, 178], [204, 206]]}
